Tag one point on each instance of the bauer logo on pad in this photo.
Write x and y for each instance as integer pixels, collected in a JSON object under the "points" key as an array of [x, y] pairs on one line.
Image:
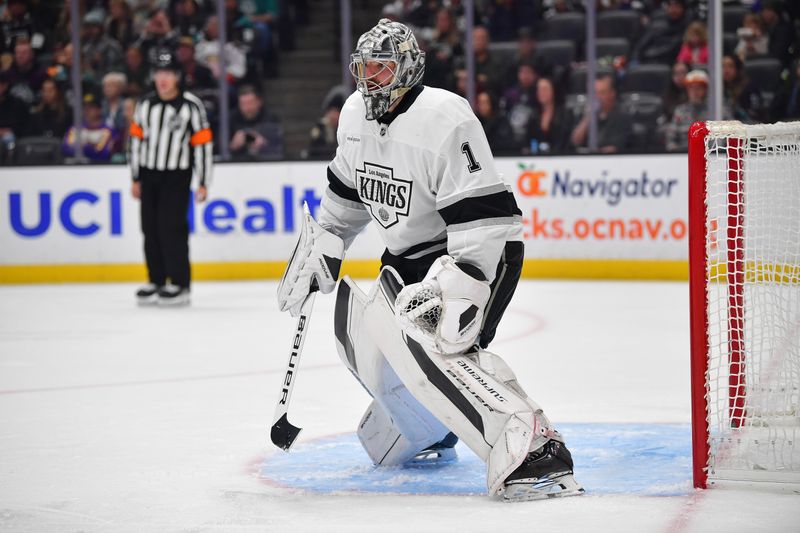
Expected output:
{"points": [[388, 198]]}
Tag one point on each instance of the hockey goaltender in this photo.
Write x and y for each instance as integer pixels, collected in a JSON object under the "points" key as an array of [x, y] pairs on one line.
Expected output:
{"points": [[416, 161]]}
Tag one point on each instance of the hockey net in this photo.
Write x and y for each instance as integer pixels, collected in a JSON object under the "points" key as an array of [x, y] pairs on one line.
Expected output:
{"points": [[744, 218]]}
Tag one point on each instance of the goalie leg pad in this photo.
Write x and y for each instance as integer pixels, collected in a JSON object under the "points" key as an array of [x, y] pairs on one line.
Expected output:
{"points": [[395, 427], [387, 444], [487, 411]]}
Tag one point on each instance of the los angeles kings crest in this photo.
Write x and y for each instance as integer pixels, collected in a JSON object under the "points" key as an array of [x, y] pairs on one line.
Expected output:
{"points": [[387, 197]]}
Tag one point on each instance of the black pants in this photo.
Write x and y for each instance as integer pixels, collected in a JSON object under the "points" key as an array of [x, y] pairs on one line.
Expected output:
{"points": [[505, 282], [165, 224]]}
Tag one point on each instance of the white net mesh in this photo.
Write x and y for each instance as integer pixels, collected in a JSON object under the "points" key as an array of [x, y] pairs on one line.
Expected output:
{"points": [[753, 275]]}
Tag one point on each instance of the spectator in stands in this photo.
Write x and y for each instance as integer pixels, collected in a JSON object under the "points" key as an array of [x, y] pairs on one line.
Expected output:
{"points": [[257, 134], [114, 84], [394, 11], [741, 95], [63, 32], [13, 115], [613, 124], [554, 7], [195, 76], [100, 53], [696, 108], [786, 105], [780, 31], [98, 141], [19, 23], [60, 69], [675, 94], [123, 141], [136, 71], [141, 11], [25, 75], [519, 102], [128, 111], [119, 25], [695, 45], [498, 130], [753, 39], [158, 37], [502, 19], [549, 126], [53, 115], [262, 15], [207, 53], [323, 141], [489, 70], [443, 50], [422, 14], [661, 43], [526, 47], [187, 19]]}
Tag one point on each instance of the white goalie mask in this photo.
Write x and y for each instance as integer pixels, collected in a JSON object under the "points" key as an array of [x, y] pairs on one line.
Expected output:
{"points": [[397, 65]]}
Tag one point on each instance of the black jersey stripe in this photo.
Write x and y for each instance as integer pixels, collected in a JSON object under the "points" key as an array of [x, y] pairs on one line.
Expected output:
{"points": [[338, 187], [497, 205], [421, 247]]}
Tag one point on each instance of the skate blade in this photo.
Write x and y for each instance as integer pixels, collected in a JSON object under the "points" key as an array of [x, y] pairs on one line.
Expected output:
{"points": [[556, 487], [178, 301], [147, 301], [428, 457]]}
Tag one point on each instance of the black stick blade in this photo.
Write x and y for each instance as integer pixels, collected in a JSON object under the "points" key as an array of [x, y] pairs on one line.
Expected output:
{"points": [[283, 433]]}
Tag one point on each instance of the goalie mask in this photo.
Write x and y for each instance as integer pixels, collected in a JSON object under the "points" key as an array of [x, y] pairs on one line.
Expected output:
{"points": [[387, 63]]}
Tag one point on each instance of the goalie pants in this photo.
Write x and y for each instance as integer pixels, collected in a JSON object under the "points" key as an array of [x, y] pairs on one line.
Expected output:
{"points": [[165, 224], [502, 288]]}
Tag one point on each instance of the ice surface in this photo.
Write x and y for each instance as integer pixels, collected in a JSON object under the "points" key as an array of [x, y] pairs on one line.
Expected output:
{"points": [[118, 418]]}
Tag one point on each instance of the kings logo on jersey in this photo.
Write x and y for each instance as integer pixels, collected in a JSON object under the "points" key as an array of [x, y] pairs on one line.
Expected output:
{"points": [[387, 197]]}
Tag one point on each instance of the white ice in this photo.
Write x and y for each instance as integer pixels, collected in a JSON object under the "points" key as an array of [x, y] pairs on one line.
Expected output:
{"points": [[118, 418]]}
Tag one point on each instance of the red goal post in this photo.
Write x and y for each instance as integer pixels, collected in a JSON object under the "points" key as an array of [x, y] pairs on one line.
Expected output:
{"points": [[744, 279]]}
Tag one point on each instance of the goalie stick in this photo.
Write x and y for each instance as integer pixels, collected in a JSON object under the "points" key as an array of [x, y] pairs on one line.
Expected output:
{"points": [[283, 433]]}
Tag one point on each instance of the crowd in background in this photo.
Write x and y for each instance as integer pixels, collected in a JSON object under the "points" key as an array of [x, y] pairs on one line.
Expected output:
{"points": [[120, 40], [652, 59]]}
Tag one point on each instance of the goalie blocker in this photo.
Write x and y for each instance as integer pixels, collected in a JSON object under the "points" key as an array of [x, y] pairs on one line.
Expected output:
{"points": [[315, 262], [421, 395]]}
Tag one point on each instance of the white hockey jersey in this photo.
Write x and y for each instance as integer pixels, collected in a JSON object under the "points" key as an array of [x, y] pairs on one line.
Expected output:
{"points": [[425, 174]]}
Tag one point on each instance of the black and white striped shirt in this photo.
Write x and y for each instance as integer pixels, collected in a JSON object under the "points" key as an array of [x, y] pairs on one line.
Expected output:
{"points": [[171, 135]]}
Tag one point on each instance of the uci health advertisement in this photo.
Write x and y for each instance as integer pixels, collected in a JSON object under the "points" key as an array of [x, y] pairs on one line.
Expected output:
{"points": [[578, 211]]}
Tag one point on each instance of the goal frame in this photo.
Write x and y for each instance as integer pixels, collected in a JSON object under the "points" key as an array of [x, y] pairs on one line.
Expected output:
{"points": [[698, 313], [698, 293]]}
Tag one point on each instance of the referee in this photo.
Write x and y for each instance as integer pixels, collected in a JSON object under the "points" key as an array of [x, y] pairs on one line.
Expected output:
{"points": [[170, 141]]}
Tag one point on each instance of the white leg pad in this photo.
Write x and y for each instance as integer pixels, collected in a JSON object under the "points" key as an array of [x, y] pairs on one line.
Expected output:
{"points": [[487, 410], [385, 442], [396, 426]]}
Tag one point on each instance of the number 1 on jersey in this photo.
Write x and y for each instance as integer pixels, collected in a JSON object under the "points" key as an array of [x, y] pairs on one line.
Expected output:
{"points": [[472, 165]]}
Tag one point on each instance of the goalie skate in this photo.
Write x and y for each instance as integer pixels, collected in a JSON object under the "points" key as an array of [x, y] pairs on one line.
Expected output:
{"points": [[442, 452], [545, 473]]}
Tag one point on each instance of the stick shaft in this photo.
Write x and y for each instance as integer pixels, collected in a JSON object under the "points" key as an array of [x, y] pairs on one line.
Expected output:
{"points": [[284, 433]]}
